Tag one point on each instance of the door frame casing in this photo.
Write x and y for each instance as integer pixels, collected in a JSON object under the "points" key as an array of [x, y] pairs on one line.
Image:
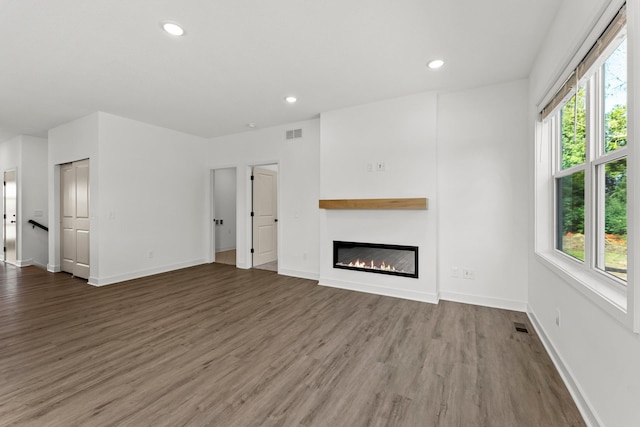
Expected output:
{"points": [[249, 201], [264, 189], [55, 252], [79, 225]]}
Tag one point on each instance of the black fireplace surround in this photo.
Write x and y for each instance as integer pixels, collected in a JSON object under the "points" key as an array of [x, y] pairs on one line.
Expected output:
{"points": [[396, 260]]}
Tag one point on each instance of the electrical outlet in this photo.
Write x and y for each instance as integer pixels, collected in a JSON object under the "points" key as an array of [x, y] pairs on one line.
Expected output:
{"points": [[455, 272], [468, 274], [150, 254], [380, 166]]}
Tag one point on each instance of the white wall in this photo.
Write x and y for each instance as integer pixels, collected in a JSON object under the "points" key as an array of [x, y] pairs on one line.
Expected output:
{"points": [[10, 153], [298, 191], [225, 206], [28, 155], [598, 355], [153, 208], [401, 133], [34, 198], [482, 193]]}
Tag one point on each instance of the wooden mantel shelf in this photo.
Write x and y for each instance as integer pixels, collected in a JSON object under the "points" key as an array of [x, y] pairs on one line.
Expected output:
{"points": [[419, 203]]}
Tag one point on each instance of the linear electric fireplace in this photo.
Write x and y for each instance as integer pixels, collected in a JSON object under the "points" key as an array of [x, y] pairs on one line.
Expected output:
{"points": [[376, 258]]}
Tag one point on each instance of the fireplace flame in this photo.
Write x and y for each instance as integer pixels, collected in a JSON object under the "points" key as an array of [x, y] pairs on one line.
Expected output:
{"points": [[371, 265]]}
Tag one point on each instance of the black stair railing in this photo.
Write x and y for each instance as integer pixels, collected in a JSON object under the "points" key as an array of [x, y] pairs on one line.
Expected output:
{"points": [[35, 224]]}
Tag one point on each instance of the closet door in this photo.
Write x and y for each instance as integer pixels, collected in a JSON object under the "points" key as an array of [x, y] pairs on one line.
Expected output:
{"points": [[74, 184]]}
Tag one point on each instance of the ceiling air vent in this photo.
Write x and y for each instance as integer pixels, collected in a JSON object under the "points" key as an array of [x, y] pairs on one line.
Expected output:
{"points": [[294, 134]]}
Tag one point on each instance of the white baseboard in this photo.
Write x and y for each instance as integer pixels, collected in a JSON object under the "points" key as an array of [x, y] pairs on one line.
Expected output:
{"points": [[24, 262], [95, 281], [381, 290], [53, 268], [39, 264], [590, 417], [301, 274], [484, 301]]}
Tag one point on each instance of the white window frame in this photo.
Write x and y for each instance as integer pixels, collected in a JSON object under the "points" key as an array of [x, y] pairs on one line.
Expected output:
{"points": [[609, 293], [595, 158]]}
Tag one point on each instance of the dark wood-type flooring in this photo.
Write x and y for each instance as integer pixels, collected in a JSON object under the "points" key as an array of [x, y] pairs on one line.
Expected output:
{"points": [[215, 345]]}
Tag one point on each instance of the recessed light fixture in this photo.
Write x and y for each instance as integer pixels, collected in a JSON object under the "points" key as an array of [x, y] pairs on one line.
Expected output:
{"points": [[251, 125], [291, 99], [172, 28], [435, 64]]}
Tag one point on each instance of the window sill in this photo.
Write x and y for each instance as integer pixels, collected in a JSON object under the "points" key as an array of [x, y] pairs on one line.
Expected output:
{"points": [[606, 296]]}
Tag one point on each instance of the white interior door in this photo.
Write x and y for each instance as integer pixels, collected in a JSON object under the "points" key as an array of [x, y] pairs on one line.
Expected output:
{"points": [[74, 183], [10, 216], [265, 216]]}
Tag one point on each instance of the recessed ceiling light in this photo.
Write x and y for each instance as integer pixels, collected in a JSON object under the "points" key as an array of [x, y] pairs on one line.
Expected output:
{"points": [[435, 64], [172, 28], [251, 125], [291, 99]]}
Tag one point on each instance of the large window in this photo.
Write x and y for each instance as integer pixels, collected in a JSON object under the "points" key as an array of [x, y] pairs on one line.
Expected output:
{"points": [[587, 123]]}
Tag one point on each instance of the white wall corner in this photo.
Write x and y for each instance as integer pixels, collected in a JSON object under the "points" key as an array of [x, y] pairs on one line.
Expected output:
{"points": [[39, 264], [53, 268], [243, 265], [590, 417]]}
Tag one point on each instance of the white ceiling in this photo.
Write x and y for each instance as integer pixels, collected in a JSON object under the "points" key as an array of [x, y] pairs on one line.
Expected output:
{"points": [[63, 59]]}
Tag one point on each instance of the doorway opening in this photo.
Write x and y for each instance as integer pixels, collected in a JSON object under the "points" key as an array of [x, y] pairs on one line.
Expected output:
{"points": [[264, 217], [10, 226], [224, 204]]}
